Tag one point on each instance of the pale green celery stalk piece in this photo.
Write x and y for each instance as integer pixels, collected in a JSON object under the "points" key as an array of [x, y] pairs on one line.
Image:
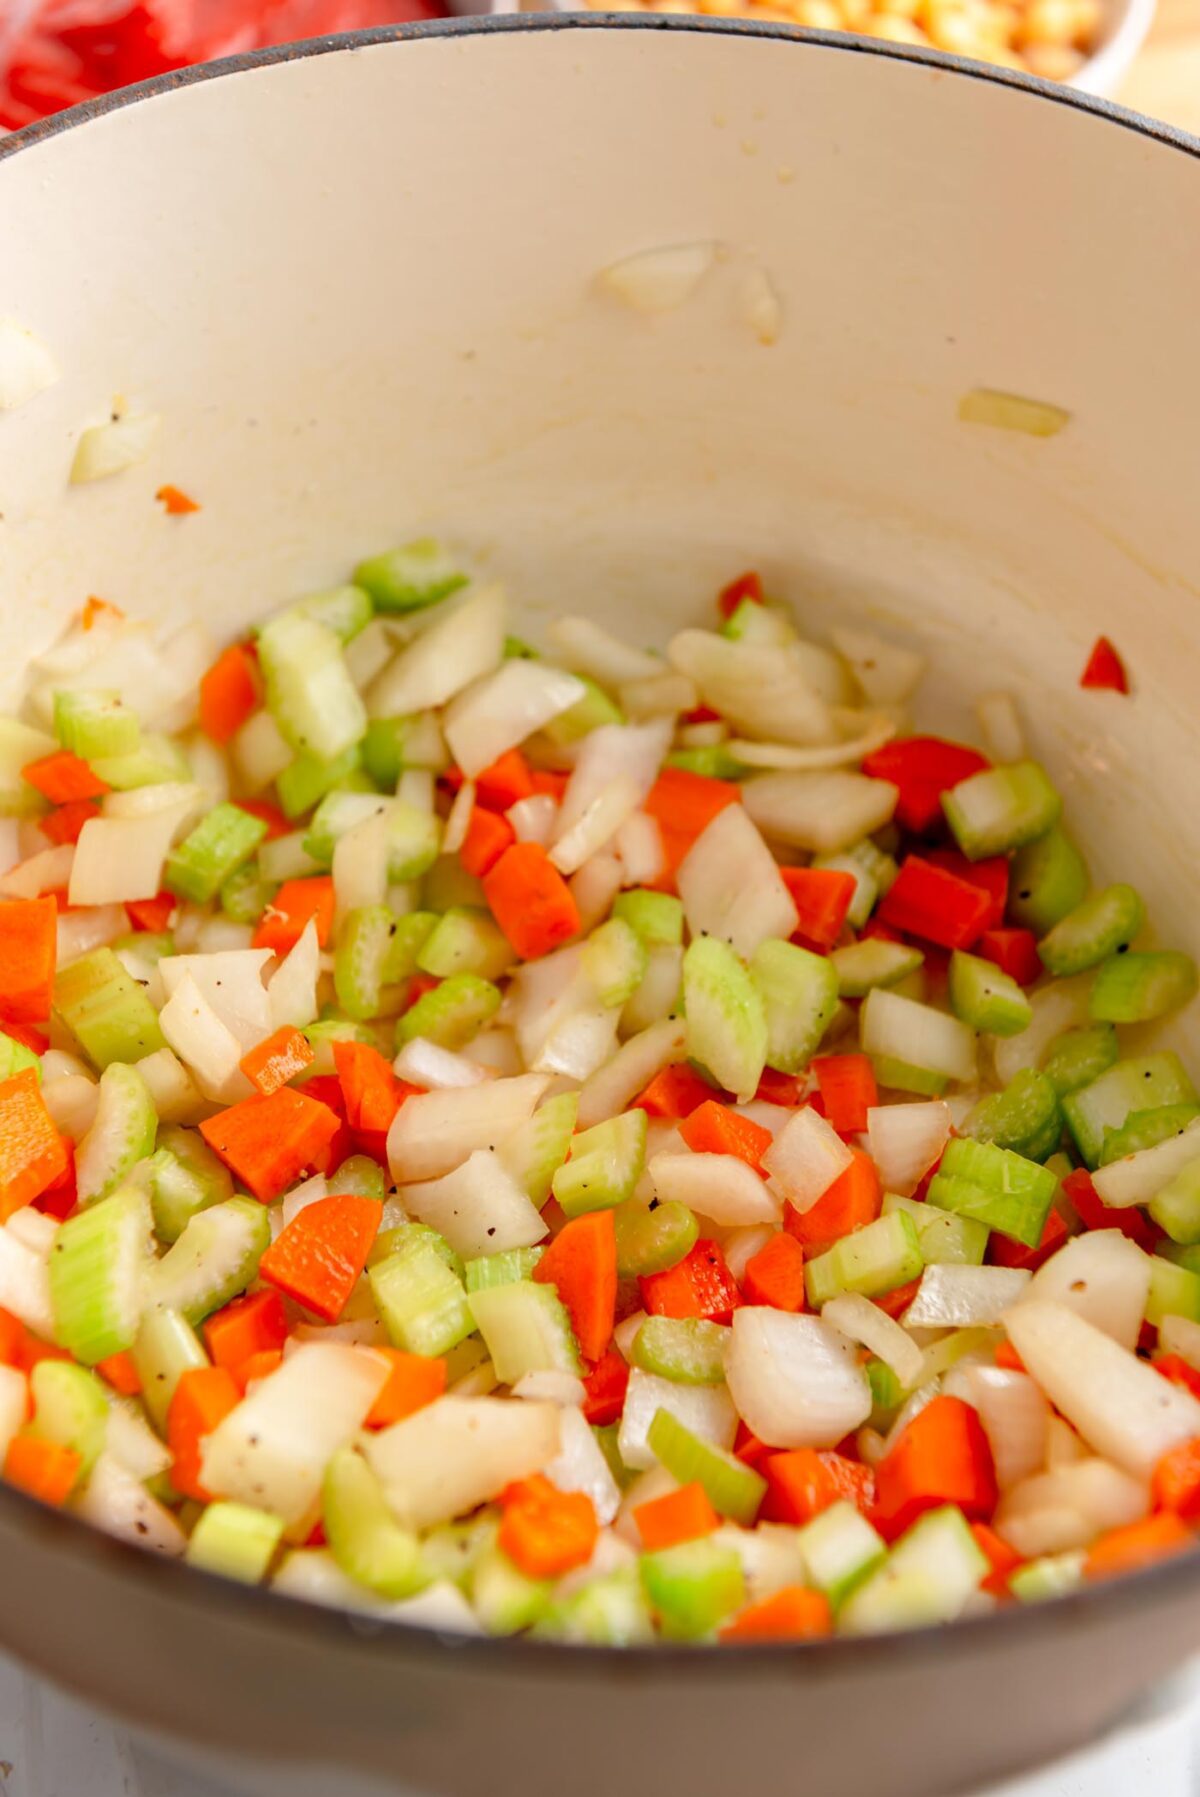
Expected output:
{"points": [[987, 998], [1174, 1292], [732, 1488], [345, 610], [310, 694], [453, 1549], [213, 1261], [19, 745], [714, 760], [411, 1235], [156, 761], [151, 946], [508, 1267], [393, 744], [587, 714], [527, 1329], [945, 1239], [1146, 1129], [605, 1165], [727, 1028], [799, 993], [1049, 878], [121, 1135], [106, 1010], [1141, 1083], [305, 781], [97, 1269], [1177, 1207], [1001, 808], [688, 1350], [93, 724], [537, 1149], [840, 1550], [338, 812], [505, 1599], [895, 1075], [185, 1177], [214, 850], [449, 887], [246, 894], [1080, 1056], [1051, 1576], [452, 1013], [656, 916], [1107, 921], [615, 959], [236, 1541], [165, 1347], [366, 1540], [996, 1187], [359, 1175], [422, 1303], [69, 1407], [1136, 988], [409, 936], [465, 941], [1025, 1117], [409, 578], [363, 941], [650, 1241], [608, 1612], [414, 841], [15, 1057], [693, 1587], [872, 1261], [861, 966]]}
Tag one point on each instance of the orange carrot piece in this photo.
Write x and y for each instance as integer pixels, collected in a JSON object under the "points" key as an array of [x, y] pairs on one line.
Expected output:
{"points": [[44, 1469], [488, 835], [941, 1457], [121, 1374], [775, 1275], [853, 1200], [848, 1090], [413, 1382], [822, 897], [531, 901], [153, 914], [64, 824], [203, 1397], [280, 1058], [897, 1301], [714, 1128], [371, 1092], [681, 1515], [12, 1334], [581, 1263], [1003, 1559], [318, 1258], [176, 503], [1137, 1545], [95, 610], [505, 781], [229, 693], [282, 923], [269, 1142], [793, 1614], [546, 1532], [675, 1092], [277, 824], [256, 1324], [1006, 1356], [63, 776], [32, 1152], [256, 1366], [1179, 1371], [1176, 1481], [683, 805], [28, 952], [700, 1285], [804, 1481]]}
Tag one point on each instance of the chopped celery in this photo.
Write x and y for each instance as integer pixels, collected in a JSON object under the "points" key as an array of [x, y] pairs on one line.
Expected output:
{"points": [[894, 1075], [453, 1549], [214, 1259], [1137, 988], [214, 850], [411, 577], [185, 1177], [693, 1587], [987, 998], [1026, 1117], [506, 1600], [656, 916], [422, 1302], [165, 1347], [1080, 1056], [306, 780], [393, 744], [245, 895], [409, 936], [874, 871], [1049, 879], [1146, 1129], [1102, 924], [69, 1407], [901, 1030], [606, 1163], [366, 1540], [14, 1056], [537, 1149], [608, 1612], [149, 946], [411, 1235], [650, 1241], [1143, 1083], [505, 1268], [946, 1239], [345, 610], [1051, 1576], [1001, 808], [688, 1350], [93, 724], [799, 993], [874, 1260], [414, 839], [594, 709], [996, 1187], [713, 760], [236, 1541], [285, 858], [929, 1576], [363, 940], [526, 1328], [732, 1488], [106, 1010], [360, 1176], [840, 1550], [449, 887], [887, 1393], [452, 1012], [1177, 1207], [1174, 1292], [339, 812], [465, 941], [309, 690], [726, 1019], [766, 626], [156, 761], [97, 1268], [861, 966], [121, 1135], [614, 960]]}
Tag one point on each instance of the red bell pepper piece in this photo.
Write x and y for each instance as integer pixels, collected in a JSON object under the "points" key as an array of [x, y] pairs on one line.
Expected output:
{"points": [[937, 906], [1093, 1213], [746, 586], [923, 767], [701, 1285], [1105, 669], [1014, 952], [822, 897], [991, 876]]}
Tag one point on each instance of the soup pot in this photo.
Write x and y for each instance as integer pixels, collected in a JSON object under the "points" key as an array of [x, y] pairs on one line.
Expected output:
{"points": [[356, 281]]}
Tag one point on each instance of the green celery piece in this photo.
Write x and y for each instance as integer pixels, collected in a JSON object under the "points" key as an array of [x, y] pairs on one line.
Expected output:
{"points": [[15, 1057], [345, 610], [887, 1393], [325, 1032], [214, 850], [650, 1241], [1080, 1056], [608, 1441], [106, 1010], [1176, 1209], [607, 1612], [895, 1075], [409, 936], [688, 1350], [841, 1550], [245, 894], [1001, 808], [615, 960], [122, 1134], [605, 1165], [861, 966], [363, 940], [732, 1488], [19, 745], [407, 1236], [148, 945], [186, 1177], [165, 1347], [1136, 988], [873, 868], [1049, 879], [713, 760], [236, 1541], [1107, 921], [587, 714], [465, 940], [537, 1148], [1051, 1576], [305, 781], [97, 1268], [656, 916], [93, 724], [1025, 1117], [1174, 1292], [872, 1261], [422, 1303], [506, 1268], [982, 995], [408, 579], [452, 1549], [69, 1407], [213, 1261], [693, 1587], [1141, 1083], [1146, 1129], [945, 1238], [366, 1540], [799, 993], [527, 1329], [393, 744], [505, 1599], [727, 1030], [414, 839], [156, 761], [449, 887], [309, 690], [996, 1187], [359, 1175], [285, 858], [1181, 1255], [930, 1574], [765, 625], [452, 1013], [517, 649], [339, 811]]}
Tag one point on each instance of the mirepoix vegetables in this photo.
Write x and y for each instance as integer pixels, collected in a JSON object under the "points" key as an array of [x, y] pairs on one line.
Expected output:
{"points": [[645, 1147]]}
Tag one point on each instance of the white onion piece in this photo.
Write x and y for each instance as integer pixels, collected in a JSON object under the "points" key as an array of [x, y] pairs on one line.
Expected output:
{"points": [[1054, 1512], [859, 1320], [177, 1098], [259, 752], [580, 1045], [795, 1380], [706, 1410], [542, 994], [615, 1084], [639, 844], [894, 1026], [587, 648], [658, 994], [1119, 1404], [580, 1465], [610, 808], [107, 449], [762, 691], [72, 1101], [503, 709], [458, 1453], [132, 1443], [1180, 1335], [759, 306], [913, 1406], [831, 755], [368, 653], [905, 1140], [26, 366], [661, 695], [222, 936], [732, 888], [300, 1197], [232, 984], [79, 932], [115, 1500], [360, 858], [292, 990], [1103, 1277], [819, 812], [121, 858], [495, 1052], [479, 1207], [625, 1333], [205, 1043], [1015, 1418], [550, 1387], [1063, 1446], [47, 871], [25, 1281], [58, 1064], [633, 750], [659, 280], [805, 1159], [720, 1186], [594, 888], [1137, 1178], [887, 673], [141, 800], [1000, 727], [458, 820], [532, 819], [1057, 1007], [425, 1063], [741, 1245], [459, 644], [953, 1297]]}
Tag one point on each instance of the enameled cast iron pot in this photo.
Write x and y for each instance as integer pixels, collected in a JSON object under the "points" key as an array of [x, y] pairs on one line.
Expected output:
{"points": [[355, 279]]}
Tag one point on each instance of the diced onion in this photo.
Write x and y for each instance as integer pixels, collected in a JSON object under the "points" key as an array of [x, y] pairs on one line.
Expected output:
{"points": [[894, 1026], [707, 1410], [741, 1245], [79, 932], [1103, 1277], [72, 1101], [610, 808], [118, 859], [550, 1387], [905, 1140], [661, 279], [952, 1297], [300, 1197], [1057, 1007], [718, 1186], [594, 888], [292, 991], [795, 1380], [1180, 1335], [424, 1063], [588, 648], [47, 871], [886, 673], [635, 751], [805, 1159], [26, 366], [761, 690], [861, 1321], [501, 710], [1015, 1418], [1054, 1512], [580, 1465], [199, 1037], [1137, 1178], [459, 818], [660, 695], [447, 1459], [460, 643], [434, 1132], [231, 983], [177, 1098], [819, 812], [1000, 727], [116, 1500], [874, 734], [638, 843], [110, 448], [617, 1083], [533, 819], [732, 888]]}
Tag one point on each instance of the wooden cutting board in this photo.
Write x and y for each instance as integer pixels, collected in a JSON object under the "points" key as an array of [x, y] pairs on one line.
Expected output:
{"points": [[1165, 79]]}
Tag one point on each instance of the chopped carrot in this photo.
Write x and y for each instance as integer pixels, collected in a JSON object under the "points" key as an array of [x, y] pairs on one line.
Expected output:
{"points": [[32, 1152], [277, 824], [280, 1058], [775, 1275], [63, 776], [371, 1092], [203, 1397], [95, 610], [677, 1516], [701, 1285], [1003, 1559], [47, 1470], [683, 805], [804, 1481], [606, 1386], [326, 1088], [1179, 1371], [897, 1301], [176, 503], [552, 785], [1176, 1481], [269, 1142], [12, 1334], [121, 1374], [255, 1324], [32, 1351], [256, 1366], [546, 1532], [1006, 1356], [28, 952], [1105, 669], [746, 586], [941, 1457], [852, 1201], [153, 914], [229, 693], [488, 835], [581, 1263], [675, 1092], [847, 1086], [531, 901], [822, 897], [61, 1195], [64, 824], [505, 781], [793, 1614], [748, 1448], [714, 1128], [1139, 1544], [318, 1257], [413, 1382], [283, 922]]}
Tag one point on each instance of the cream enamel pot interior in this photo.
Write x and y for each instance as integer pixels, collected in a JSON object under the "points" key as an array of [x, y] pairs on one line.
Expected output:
{"points": [[356, 281]]}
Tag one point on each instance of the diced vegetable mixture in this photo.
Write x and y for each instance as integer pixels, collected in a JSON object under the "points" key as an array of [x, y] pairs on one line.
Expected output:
{"points": [[581, 1141]]}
